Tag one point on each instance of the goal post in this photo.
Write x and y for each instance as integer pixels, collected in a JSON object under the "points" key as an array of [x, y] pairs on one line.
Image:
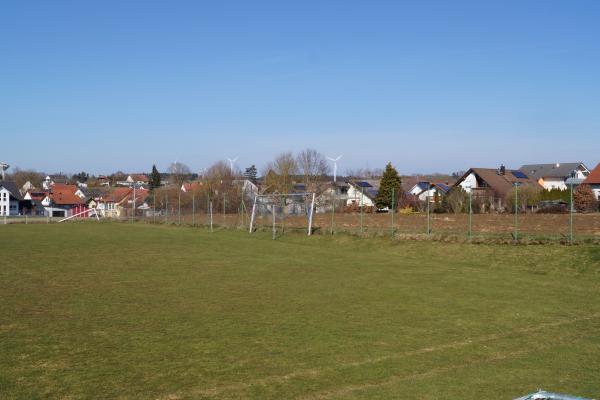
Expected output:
{"points": [[281, 210]]}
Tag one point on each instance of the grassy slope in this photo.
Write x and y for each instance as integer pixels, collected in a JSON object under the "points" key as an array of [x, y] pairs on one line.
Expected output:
{"points": [[121, 311]]}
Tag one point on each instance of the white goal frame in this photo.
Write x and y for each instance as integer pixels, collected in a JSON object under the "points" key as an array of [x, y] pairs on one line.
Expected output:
{"points": [[310, 214]]}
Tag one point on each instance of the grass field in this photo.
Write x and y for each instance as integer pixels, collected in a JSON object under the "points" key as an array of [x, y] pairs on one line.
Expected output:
{"points": [[116, 310]]}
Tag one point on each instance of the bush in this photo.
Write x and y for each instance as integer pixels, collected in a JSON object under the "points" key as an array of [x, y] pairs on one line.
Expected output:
{"points": [[584, 199]]}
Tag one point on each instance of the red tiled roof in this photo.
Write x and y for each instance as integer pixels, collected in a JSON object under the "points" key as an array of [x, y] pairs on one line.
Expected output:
{"points": [[62, 194], [594, 176], [117, 195], [125, 195]]}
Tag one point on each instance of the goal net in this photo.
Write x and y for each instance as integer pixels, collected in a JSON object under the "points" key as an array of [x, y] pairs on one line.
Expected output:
{"points": [[283, 211]]}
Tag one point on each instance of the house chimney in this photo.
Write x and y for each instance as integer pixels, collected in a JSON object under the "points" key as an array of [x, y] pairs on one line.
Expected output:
{"points": [[502, 169]]}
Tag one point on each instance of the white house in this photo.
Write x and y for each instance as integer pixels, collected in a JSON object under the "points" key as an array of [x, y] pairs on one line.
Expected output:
{"points": [[9, 198], [27, 186], [419, 188], [134, 179], [555, 176], [52, 180], [362, 193]]}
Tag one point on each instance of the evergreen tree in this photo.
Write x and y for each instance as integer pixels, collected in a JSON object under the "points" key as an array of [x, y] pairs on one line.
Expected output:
{"points": [[390, 183], [154, 178], [251, 173]]}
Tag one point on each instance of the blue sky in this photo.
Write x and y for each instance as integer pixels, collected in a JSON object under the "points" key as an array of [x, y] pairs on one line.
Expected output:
{"points": [[433, 86]]}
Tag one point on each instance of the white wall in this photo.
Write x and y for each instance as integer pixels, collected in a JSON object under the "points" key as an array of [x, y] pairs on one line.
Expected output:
{"points": [[469, 182], [556, 183], [356, 197], [596, 190], [8, 206]]}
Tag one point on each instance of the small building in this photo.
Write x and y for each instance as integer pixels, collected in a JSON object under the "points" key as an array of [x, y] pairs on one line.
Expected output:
{"points": [[120, 201], [555, 176], [61, 201], [135, 179], [32, 203], [10, 198], [362, 193], [429, 190], [27, 186], [593, 180], [52, 180], [192, 187]]}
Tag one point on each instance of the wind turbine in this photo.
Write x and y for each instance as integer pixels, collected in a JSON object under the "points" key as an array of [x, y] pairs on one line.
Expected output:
{"points": [[335, 160], [231, 162], [4, 167]]}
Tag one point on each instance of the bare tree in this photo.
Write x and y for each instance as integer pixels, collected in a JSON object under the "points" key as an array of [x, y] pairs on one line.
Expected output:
{"points": [[280, 172], [21, 176], [179, 172], [312, 165]]}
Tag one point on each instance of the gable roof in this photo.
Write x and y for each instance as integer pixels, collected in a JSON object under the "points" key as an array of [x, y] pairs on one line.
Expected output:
{"points": [[441, 186], [124, 196], [558, 170], [62, 194], [501, 184], [12, 189], [139, 177], [117, 194], [594, 176], [422, 185]]}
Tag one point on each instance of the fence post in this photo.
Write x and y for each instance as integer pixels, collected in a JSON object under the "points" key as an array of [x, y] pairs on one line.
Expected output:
{"points": [[179, 207], [428, 214], [571, 214], [470, 215], [516, 211], [393, 193], [166, 208], [194, 209], [210, 207], [273, 214], [333, 212], [224, 217], [153, 206], [361, 203]]}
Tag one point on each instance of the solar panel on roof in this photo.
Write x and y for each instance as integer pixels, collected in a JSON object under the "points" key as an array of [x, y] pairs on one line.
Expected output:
{"points": [[363, 184], [519, 175]]}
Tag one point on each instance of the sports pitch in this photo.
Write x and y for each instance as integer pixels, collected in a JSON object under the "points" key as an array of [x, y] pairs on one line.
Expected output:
{"points": [[117, 310]]}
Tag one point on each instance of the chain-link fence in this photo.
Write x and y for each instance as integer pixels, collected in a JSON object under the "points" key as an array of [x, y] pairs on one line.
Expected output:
{"points": [[331, 215]]}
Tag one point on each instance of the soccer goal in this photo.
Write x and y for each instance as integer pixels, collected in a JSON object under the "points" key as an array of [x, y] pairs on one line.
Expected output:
{"points": [[281, 211]]}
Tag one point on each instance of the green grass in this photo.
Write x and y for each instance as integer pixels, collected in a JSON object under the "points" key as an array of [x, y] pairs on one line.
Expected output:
{"points": [[112, 310]]}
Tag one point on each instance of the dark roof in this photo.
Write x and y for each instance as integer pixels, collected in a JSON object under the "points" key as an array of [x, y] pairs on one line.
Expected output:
{"points": [[442, 186], [558, 170], [423, 185], [12, 189], [371, 193], [363, 184]]}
